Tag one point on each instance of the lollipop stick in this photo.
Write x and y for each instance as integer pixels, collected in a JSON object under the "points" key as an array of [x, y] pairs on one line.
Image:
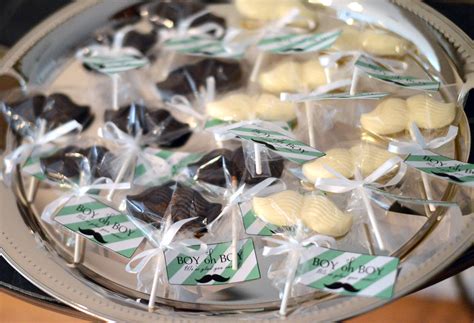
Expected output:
{"points": [[370, 213], [256, 67], [294, 260], [235, 261], [120, 175], [115, 80], [425, 180], [32, 189], [154, 287], [78, 249], [258, 158], [355, 81], [309, 118], [369, 239]]}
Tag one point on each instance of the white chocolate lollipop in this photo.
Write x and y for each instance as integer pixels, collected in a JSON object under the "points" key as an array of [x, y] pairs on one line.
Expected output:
{"points": [[369, 157], [339, 159], [348, 40], [323, 216], [269, 107], [378, 42], [281, 209], [283, 77], [389, 117], [312, 74], [428, 113], [270, 9], [233, 107]]}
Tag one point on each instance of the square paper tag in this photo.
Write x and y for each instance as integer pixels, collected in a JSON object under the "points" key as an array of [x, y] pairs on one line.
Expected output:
{"points": [[348, 273], [214, 267], [254, 225], [442, 167], [101, 224]]}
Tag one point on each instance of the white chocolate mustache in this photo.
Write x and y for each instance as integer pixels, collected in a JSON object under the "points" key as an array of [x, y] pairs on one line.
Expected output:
{"points": [[239, 107], [271, 9], [316, 211], [395, 115], [291, 76]]}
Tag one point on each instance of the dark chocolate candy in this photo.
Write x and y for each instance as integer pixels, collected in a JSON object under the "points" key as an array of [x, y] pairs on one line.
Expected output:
{"points": [[218, 167], [56, 109], [164, 12], [215, 168], [141, 41], [173, 200], [187, 79], [160, 124], [66, 163]]}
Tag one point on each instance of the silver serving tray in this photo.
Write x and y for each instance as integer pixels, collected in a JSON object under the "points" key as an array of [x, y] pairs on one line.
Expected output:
{"points": [[96, 288]]}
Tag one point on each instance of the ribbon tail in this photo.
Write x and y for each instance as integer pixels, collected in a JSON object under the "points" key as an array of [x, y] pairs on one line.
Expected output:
{"points": [[52, 208]]}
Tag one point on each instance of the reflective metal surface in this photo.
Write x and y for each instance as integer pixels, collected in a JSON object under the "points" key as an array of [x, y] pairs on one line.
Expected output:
{"points": [[98, 288]]}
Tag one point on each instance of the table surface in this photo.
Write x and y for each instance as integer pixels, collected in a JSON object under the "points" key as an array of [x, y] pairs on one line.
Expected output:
{"points": [[18, 16]]}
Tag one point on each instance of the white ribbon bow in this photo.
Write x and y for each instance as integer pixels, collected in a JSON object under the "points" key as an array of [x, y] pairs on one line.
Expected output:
{"points": [[420, 144], [132, 147], [37, 143], [341, 184], [292, 245], [240, 196], [166, 243], [79, 190]]}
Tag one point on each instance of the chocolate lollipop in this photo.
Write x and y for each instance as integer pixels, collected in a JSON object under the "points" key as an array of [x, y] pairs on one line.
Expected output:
{"points": [[56, 109], [160, 124], [64, 163], [187, 79], [175, 200], [218, 166]]}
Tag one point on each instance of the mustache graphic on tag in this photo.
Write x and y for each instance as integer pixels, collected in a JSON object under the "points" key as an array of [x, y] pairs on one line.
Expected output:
{"points": [[451, 177], [266, 144], [345, 286], [89, 232], [207, 278]]}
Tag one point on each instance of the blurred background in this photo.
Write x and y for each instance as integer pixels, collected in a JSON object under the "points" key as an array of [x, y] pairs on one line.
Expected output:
{"points": [[451, 300]]}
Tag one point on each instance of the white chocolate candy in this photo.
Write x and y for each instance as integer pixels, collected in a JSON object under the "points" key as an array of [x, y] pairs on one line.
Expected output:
{"points": [[429, 113], [312, 74], [233, 107], [270, 9], [284, 77], [348, 40], [369, 157], [389, 117], [269, 107], [378, 42], [281, 209], [323, 216], [339, 159]]}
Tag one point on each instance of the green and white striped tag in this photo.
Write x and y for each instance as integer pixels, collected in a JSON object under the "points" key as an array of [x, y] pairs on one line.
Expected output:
{"points": [[32, 167], [348, 273], [298, 43], [201, 46], [213, 267], [175, 160], [301, 97], [373, 69], [114, 64], [101, 224], [442, 167], [254, 225], [290, 148]]}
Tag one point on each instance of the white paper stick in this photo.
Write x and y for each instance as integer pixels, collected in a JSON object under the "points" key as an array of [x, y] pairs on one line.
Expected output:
{"points": [[115, 81], [425, 180], [370, 212], [369, 239], [32, 189], [154, 287], [258, 158], [121, 174], [78, 248], [235, 261], [355, 81], [256, 67], [309, 118]]}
